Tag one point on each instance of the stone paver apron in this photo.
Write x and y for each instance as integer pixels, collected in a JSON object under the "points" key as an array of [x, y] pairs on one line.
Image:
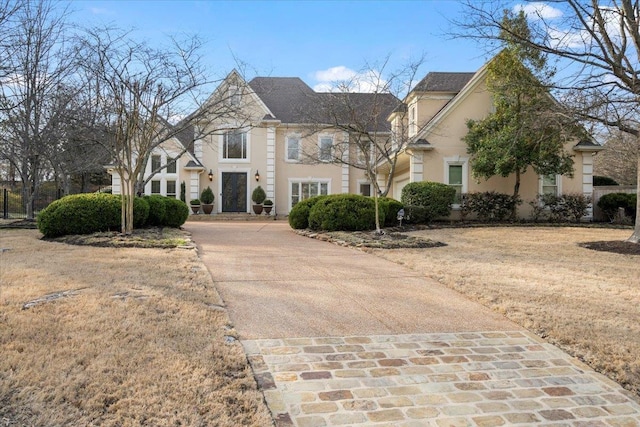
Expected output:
{"points": [[381, 356]]}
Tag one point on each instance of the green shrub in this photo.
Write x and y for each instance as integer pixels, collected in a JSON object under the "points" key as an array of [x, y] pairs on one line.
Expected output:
{"points": [[610, 203], [176, 212], [489, 205], [603, 180], [390, 207], [88, 213], [157, 210], [299, 214], [346, 212], [258, 195], [565, 208], [417, 214], [207, 196], [433, 199]]}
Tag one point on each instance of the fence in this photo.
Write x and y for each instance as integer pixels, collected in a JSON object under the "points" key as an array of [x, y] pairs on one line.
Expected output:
{"points": [[598, 192], [13, 204]]}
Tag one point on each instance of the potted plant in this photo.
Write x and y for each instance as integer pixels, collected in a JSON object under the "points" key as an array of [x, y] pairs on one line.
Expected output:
{"points": [[207, 197], [195, 205], [267, 206], [258, 197]]}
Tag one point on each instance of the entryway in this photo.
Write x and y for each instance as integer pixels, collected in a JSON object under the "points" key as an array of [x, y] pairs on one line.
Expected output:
{"points": [[234, 192]]}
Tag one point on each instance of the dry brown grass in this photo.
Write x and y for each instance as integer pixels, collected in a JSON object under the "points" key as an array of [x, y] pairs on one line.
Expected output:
{"points": [[142, 342], [585, 301]]}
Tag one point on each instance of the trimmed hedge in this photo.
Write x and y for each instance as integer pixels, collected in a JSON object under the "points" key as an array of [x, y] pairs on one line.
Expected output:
{"points": [[345, 212], [603, 180], [610, 203], [299, 214], [426, 201], [94, 212], [176, 214], [390, 207]]}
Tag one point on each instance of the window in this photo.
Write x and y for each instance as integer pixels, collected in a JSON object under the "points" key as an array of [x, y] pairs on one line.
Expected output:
{"points": [[171, 189], [362, 154], [412, 120], [155, 162], [550, 185], [155, 187], [455, 175], [171, 165], [365, 189], [325, 148], [293, 148], [234, 95], [305, 189], [234, 145]]}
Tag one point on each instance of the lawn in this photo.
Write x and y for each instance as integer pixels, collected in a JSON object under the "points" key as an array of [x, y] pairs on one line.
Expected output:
{"points": [[585, 301], [139, 337]]}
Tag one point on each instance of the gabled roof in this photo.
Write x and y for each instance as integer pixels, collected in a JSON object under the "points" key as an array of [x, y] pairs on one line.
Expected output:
{"points": [[292, 101], [443, 82], [588, 145], [288, 98]]}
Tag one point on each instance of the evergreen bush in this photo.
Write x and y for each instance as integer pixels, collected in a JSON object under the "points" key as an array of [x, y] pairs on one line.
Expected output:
{"points": [[610, 203], [427, 200], [299, 214], [258, 195], [345, 212], [176, 213], [207, 196], [489, 205], [603, 180], [157, 209], [390, 207]]}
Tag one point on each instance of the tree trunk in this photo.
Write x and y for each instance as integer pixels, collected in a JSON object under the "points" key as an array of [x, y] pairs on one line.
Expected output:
{"points": [[635, 237], [516, 192]]}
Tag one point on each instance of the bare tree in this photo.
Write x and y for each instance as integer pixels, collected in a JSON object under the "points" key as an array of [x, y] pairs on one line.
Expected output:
{"points": [[35, 52], [618, 160], [598, 51], [147, 97], [374, 123]]}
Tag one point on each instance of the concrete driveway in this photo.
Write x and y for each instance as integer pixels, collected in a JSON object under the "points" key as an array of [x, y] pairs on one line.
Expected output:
{"points": [[338, 337], [279, 284]]}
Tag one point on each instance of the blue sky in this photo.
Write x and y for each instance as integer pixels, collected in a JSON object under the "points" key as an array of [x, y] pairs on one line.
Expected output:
{"points": [[306, 39]]}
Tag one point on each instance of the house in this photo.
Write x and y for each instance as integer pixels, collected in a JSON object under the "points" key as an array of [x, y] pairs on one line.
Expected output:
{"points": [[437, 111], [282, 139]]}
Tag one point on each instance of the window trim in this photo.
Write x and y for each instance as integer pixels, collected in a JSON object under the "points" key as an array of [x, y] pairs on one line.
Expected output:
{"points": [[286, 148], [247, 149], [320, 157], [307, 180], [457, 161], [558, 184]]}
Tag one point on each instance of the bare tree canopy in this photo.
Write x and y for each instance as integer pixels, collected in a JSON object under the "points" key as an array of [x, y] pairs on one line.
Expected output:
{"points": [[36, 63], [597, 47], [146, 97]]}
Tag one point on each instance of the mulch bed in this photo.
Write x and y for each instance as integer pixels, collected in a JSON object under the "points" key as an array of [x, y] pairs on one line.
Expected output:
{"points": [[369, 239], [615, 246]]}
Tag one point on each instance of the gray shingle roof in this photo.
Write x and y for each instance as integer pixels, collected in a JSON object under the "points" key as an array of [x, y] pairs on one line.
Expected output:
{"points": [[293, 101], [443, 82]]}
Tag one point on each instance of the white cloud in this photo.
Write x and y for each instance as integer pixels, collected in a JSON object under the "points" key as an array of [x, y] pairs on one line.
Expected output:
{"points": [[100, 11], [538, 10], [344, 79]]}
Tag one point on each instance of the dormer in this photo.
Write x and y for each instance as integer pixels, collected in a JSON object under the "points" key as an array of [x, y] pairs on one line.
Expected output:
{"points": [[430, 95]]}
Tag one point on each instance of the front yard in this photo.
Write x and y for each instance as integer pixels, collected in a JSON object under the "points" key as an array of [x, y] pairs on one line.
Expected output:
{"points": [[116, 337], [585, 301]]}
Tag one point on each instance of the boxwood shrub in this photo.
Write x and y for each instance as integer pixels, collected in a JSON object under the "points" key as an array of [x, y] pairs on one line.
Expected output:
{"points": [[94, 212], [176, 212], [610, 203], [390, 207], [299, 214], [426, 201], [346, 212], [157, 209]]}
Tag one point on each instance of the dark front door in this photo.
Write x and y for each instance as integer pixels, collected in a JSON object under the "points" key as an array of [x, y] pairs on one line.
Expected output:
{"points": [[234, 192]]}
